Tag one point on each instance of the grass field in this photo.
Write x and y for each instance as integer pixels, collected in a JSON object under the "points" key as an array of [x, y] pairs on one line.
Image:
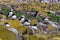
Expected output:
{"points": [[5, 34]]}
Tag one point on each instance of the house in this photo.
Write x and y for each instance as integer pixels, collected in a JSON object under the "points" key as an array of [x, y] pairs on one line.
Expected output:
{"points": [[14, 17], [32, 13], [22, 19], [10, 14], [26, 22], [7, 25]]}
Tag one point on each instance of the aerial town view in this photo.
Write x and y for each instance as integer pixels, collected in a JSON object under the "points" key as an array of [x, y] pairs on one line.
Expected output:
{"points": [[29, 19]]}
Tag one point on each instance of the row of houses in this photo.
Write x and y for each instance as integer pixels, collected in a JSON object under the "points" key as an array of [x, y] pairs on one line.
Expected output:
{"points": [[27, 1]]}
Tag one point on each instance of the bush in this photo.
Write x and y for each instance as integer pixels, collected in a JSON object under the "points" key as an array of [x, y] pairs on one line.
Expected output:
{"points": [[17, 14], [5, 10], [40, 18]]}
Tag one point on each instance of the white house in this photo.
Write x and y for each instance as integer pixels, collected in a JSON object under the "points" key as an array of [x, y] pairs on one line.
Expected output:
{"points": [[14, 17], [53, 12], [7, 25], [33, 27], [10, 14], [45, 1], [22, 19], [46, 19], [26, 23]]}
